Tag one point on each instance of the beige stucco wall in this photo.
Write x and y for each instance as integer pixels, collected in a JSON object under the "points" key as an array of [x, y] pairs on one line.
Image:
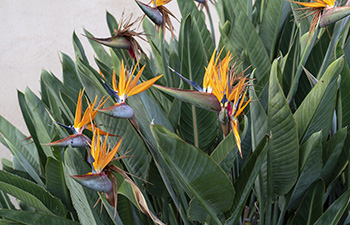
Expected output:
{"points": [[33, 32]]}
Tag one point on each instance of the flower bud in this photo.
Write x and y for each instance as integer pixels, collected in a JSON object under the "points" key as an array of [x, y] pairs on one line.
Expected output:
{"points": [[152, 13]]}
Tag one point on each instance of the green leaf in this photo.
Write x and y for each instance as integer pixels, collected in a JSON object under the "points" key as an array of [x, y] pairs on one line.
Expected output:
{"points": [[345, 86], [310, 164], [83, 199], [246, 179], [334, 213], [78, 48], [226, 152], [55, 181], [5, 201], [243, 27], [306, 43], [70, 78], [99, 50], [197, 126], [196, 171], [283, 155], [274, 17], [189, 7], [311, 206], [331, 152], [42, 122], [258, 118], [31, 194], [316, 111], [30, 126], [24, 164], [196, 212], [53, 91], [110, 210], [34, 218], [19, 144], [147, 111]]}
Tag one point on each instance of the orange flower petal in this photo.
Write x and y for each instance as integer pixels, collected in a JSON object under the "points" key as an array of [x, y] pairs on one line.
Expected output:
{"points": [[234, 124], [143, 86], [78, 109]]}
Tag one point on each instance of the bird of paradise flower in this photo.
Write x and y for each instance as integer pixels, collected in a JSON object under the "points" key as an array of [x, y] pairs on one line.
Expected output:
{"points": [[126, 87], [124, 38], [102, 179], [222, 86], [81, 122]]}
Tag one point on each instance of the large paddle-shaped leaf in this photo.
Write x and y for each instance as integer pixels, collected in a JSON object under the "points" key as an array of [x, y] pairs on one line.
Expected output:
{"points": [[196, 171], [316, 111], [197, 126], [33, 218], [243, 31], [331, 153], [41, 119], [19, 145], [283, 155], [189, 7], [31, 194], [275, 14], [310, 208], [310, 167], [334, 213]]}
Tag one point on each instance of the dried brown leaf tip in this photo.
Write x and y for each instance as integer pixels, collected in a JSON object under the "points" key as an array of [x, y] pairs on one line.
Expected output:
{"points": [[124, 37], [315, 8], [158, 13]]}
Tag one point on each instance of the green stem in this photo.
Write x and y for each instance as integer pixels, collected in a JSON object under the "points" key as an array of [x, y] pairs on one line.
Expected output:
{"points": [[261, 197], [275, 213], [282, 213], [268, 213]]}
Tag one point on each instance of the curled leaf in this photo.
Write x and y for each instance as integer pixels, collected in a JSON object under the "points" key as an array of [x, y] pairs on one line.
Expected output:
{"points": [[141, 201]]}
